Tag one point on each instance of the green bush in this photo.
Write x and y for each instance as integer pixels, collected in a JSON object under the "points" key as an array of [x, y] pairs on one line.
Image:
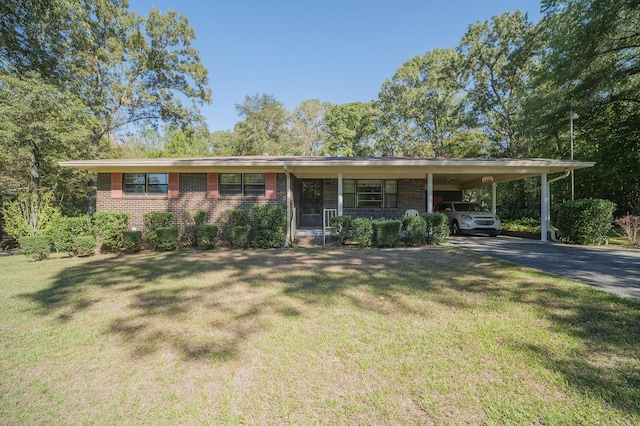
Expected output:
{"points": [[83, 245], [240, 237], [191, 219], [64, 229], [31, 214], [386, 233], [361, 231], [269, 225], [165, 239], [37, 247], [415, 230], [523, 224], [341, 229], [206, 236], [437, 228], [586, 221], [132, 241], [231, 219], [109, 227], [155, 220]]}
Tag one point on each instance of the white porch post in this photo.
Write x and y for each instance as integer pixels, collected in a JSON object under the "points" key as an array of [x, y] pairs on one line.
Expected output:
{"points": [[340, 199], [430, 193], [493, 198], [289, 230], [544, 207]]}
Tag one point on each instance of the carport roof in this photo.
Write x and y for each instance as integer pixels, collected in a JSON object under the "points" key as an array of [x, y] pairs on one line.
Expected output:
{"points": [[448, 173]]}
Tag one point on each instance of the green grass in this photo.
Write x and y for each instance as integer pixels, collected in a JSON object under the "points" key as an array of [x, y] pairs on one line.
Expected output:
{"points": [[336, 336]]}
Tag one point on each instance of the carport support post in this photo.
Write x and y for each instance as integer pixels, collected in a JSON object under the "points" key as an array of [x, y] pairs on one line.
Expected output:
{"points": [[340, 199], [544, 207], [429, 192], [493, 198]]}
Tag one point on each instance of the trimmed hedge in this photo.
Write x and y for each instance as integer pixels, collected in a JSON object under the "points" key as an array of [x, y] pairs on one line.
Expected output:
{"points": [[386, 233], [361, 231], [206, 236], [415, 230], [109, 227], [437, 228], [132, 241], [585, 221], [64, 229], [341, 229], [231, 219], [165, 239], [84, 245], [191, 219], [37, 247], [269, 225], [240, 237]]}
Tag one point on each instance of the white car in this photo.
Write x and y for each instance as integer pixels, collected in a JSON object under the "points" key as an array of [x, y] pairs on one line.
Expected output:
{"points": [[466, 217]]}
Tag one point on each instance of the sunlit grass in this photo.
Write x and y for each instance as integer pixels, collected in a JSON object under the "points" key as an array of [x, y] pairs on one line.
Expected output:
{"points": [[413, 336]]}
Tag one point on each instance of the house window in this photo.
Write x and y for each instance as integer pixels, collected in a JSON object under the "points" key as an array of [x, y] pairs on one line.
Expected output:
{"points": [[146, 183], [370, 193], [247, 184]]}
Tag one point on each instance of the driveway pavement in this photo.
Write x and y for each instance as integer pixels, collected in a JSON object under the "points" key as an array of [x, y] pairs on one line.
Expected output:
{"points": [[609, 269]]}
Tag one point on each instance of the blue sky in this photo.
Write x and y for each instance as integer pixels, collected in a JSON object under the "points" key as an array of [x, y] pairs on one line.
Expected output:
{"points": [[338, 51]]}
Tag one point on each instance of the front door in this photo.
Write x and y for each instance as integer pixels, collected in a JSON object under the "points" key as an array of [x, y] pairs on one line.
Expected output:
{"points": [[311, 203]]}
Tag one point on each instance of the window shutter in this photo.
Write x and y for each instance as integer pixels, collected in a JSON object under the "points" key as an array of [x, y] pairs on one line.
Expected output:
{"points": [[270, 186], [174, 185], [212, 185], [116, 185]]}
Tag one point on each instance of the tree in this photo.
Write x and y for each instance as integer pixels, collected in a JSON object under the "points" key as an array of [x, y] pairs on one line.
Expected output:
{"points": [[307, 129], [422, 105], [350, 129], [264, 127]]}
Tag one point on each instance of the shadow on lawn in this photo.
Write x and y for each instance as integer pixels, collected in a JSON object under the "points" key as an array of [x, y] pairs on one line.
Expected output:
{"points": [[208, 305]]}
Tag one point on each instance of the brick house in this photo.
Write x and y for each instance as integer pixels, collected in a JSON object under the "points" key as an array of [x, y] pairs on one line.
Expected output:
{"points": [[310, 187]]}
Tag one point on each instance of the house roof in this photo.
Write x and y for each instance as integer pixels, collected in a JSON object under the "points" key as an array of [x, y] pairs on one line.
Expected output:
{"points": [[448, 173]]}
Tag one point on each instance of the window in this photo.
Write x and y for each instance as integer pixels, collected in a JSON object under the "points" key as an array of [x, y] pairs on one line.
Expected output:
{"points": [[370, 193], [146, 183], [247, 184]]}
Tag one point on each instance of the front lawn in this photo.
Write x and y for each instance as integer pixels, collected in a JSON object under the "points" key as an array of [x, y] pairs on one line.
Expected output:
{"points": [[340, 336]]}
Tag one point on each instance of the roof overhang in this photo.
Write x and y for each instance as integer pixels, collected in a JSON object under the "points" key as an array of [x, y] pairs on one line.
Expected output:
{"points": [[448, 173]]}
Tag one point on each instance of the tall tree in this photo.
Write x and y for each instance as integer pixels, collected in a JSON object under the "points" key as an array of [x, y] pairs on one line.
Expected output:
{"points": [[351, 128], [263, 129], [307, 129]]}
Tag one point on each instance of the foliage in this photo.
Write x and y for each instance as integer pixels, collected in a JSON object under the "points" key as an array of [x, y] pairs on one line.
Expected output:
{"points": [[263, 128], [38, 246], [64, 229], [385, 233], [109, 227], [84, 245], [361, 231], [524, 224], [164, 239], [269, 225], [307, 127], [437, 227], [240, 237], [154, 220], [341, 229], [630, 226], [414, 229], [191, 219], [585, 221], [231, 219], [207, 236], [350, 129], [31, 214], [131, 241]]}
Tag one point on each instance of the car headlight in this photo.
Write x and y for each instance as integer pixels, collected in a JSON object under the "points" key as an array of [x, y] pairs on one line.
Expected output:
{"points": [[465, 217]]}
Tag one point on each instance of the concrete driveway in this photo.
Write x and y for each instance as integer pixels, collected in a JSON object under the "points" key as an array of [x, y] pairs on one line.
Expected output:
{"points": [[609, 269]]}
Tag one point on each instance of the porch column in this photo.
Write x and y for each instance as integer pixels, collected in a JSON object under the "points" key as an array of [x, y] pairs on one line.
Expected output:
{"points": [[289, 230], [544, 207], [429, 192], [340, 199], [493, 198]]}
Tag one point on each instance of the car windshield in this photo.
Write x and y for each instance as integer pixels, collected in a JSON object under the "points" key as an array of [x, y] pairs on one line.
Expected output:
{"points": [[469, 207]]}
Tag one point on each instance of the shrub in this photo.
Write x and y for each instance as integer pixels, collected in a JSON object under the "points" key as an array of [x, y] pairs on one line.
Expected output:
{"points": [[585, 221], [191, 219], [630, 226], [207, 236], [109, 227], [37, 247], [415, 230], [30, 214], [341, 229], [165, 239], [155, 220], [386, 233], [437, 227], [269, 225], [132, 241], [240, 237], [64, 229], [231, 219], [83, 245], [361, 231]]}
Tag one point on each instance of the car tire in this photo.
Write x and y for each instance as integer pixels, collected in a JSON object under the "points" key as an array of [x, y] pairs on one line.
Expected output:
{"points": [[455, 228]]}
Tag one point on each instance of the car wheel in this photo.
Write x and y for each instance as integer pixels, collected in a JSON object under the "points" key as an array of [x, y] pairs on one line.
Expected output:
{"points": [[455, 228]]}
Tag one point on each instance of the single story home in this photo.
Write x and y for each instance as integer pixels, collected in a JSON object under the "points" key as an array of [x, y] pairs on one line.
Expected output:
{"points": [[310, 187]]}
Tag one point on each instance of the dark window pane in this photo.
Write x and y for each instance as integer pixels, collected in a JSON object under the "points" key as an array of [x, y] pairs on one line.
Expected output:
{"points": [[157, 178], [349, 200], [134, 178], [153, 188]]}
